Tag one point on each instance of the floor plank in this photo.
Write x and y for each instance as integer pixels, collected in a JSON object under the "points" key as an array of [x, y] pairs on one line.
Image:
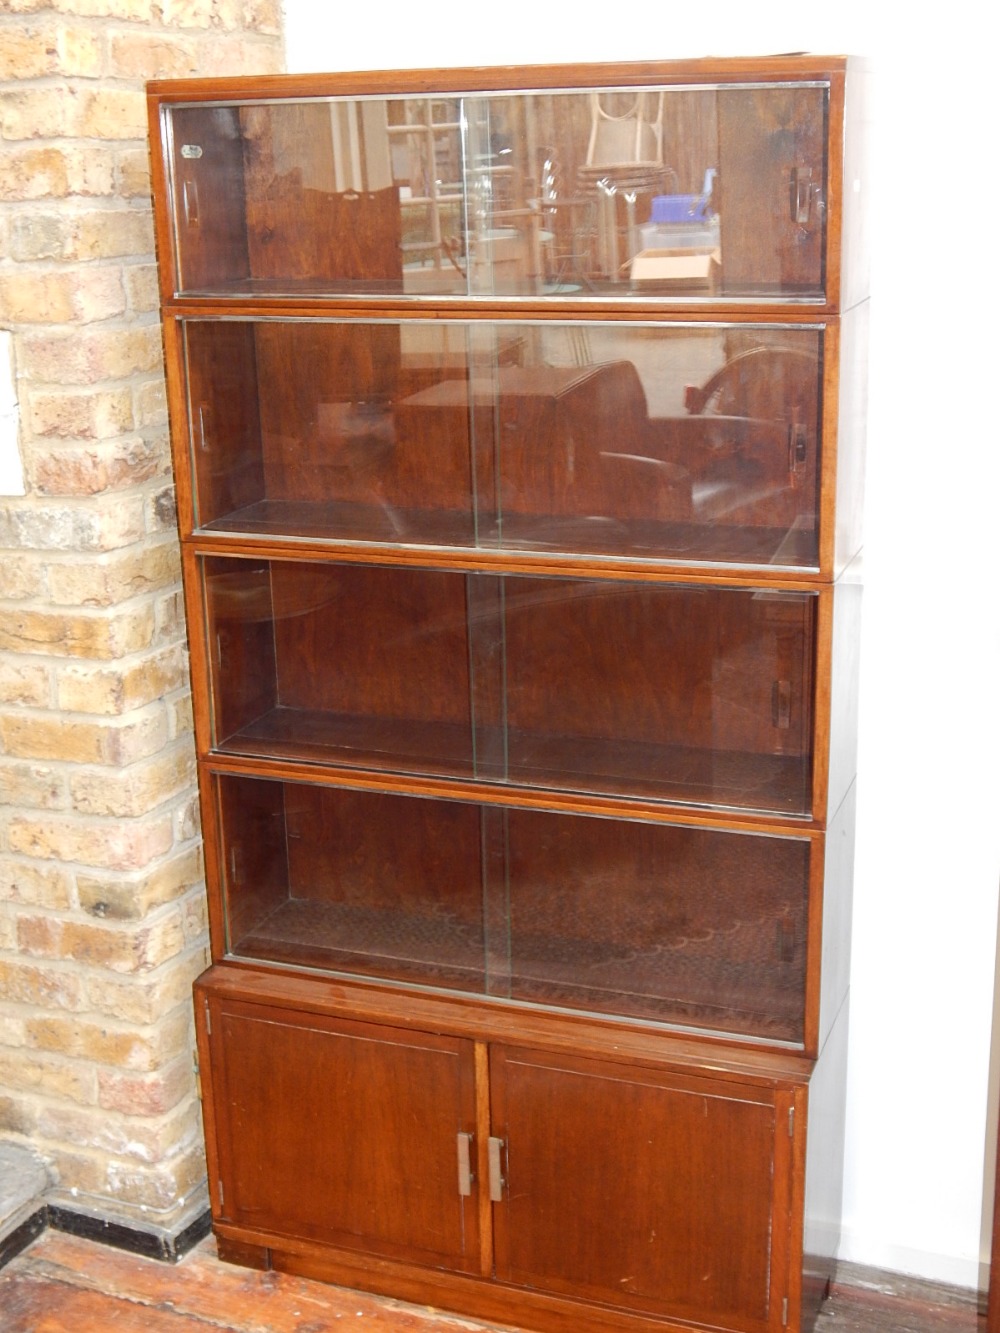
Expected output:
{"points": [[63, 1284]]}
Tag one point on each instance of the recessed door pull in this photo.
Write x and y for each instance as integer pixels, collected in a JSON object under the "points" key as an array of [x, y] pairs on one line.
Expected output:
{"points": [[802, 192], [465, 1176], [497, 1181]]}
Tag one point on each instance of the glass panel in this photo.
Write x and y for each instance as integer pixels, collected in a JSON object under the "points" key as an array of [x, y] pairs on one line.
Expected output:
{"points": [[689, 925], [698, 927], [362, 666], [693, 694], [691, 442], [698, 193], [306, 881]]}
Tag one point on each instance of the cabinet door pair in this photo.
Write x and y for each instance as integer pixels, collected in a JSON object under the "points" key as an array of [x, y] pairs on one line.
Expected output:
{"points": [[655, 1190]]}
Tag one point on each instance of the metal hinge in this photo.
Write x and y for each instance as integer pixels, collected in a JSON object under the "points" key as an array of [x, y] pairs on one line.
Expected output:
{"points": [[791, 1122], [222, 1195], [784, 1313], [208, 1019]]}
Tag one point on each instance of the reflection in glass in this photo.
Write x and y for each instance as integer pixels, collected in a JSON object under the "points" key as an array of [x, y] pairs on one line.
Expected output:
{"points": [[693, 192], [621, 440], [698, 927]]}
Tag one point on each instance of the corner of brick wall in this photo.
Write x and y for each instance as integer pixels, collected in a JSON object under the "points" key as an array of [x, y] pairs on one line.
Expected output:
{"points": [[102, 911]]}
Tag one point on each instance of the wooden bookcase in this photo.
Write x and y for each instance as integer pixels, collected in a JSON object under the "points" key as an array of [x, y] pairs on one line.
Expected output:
{"points": [[518, 431]]}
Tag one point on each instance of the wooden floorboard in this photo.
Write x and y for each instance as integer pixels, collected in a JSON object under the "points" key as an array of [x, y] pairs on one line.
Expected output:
{"points": [[63, 1284]]}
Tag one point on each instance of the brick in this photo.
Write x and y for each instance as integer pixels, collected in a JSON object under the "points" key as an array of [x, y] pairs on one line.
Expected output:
{"points": [[17, 1116], [221, 53], [31, 684], [8, 932], [152, 55], [22, 576], [133, 174], [48, 111], [109, 844], [188, 13], [187, 824], [116, 577], [146, 998], [132, 898], [111, 465], [180, 716], [196, 917], [27, 54], [51, 171], [34, 885], [136, 791], [161, 511], [112, 113], [80, 414], [170, 621], [73, 110], [142, 289], [94, 944], [50, 1077], [99, 525], [83, 234], [34, 173], [145, 11], [89, 355], [36, 236], [264, 17], [150, 398], [115, 1045], [125, 685], [79, 294], [146, 1094], [12, 1030], [107, 740], [76, 1169], [32, 786], [113, 234], [45, 985], [64, 634], [79, 51], [151, 1141], [34, 52], [49, 736], [157, 1188]]}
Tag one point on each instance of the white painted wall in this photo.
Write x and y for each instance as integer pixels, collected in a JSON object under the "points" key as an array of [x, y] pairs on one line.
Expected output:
{"points": [[928, 862]]}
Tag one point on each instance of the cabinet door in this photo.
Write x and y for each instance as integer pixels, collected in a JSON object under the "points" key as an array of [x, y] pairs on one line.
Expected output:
{"points": [[343, 1133], [653, 1191]]}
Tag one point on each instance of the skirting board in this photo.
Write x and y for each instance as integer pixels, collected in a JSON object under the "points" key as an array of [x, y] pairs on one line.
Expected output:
{"points": [[949, 1270], [149, 1244]]}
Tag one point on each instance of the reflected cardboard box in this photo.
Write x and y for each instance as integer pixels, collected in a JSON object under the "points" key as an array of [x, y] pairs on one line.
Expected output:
{"points": [[672, 270]]}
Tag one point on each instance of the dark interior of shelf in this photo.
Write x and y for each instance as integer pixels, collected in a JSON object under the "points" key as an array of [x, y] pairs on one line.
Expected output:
{"points": [[682, 925], [674, 692]]}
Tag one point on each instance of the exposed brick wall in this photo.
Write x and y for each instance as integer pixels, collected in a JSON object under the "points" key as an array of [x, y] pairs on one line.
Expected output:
{"points": [[102, 915]]}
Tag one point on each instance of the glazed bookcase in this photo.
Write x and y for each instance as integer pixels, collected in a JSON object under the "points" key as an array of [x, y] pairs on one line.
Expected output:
{"points": [[518, 430]]}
